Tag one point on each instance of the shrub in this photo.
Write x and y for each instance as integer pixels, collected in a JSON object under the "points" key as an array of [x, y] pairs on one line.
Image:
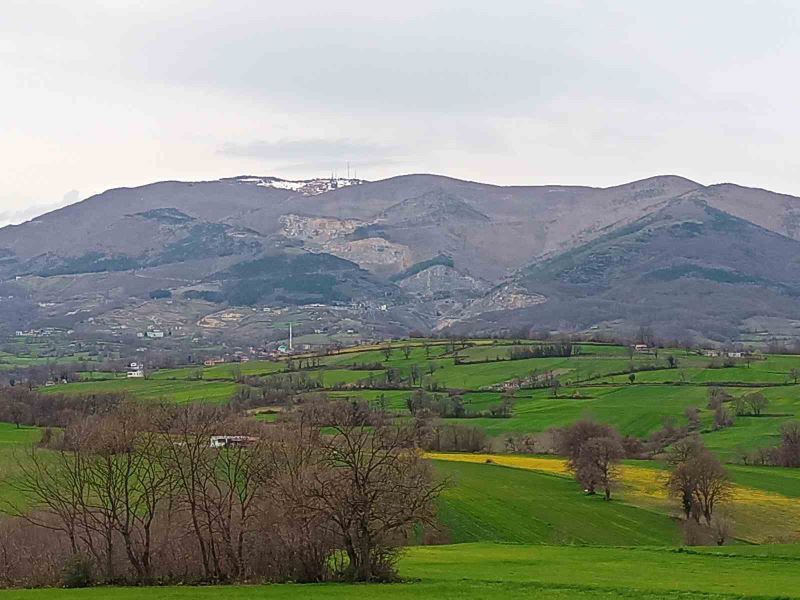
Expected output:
{"points": [[77, 572]]}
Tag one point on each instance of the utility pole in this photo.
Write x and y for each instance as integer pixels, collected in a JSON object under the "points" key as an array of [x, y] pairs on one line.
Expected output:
{"points": [[291, 338]]}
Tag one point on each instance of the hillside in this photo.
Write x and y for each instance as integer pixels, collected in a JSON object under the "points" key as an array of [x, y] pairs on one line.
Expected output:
{"points": [[686, 267], [515, 521], [411, 252]]}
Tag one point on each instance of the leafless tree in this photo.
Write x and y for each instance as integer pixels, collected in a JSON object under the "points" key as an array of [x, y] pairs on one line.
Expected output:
{"points": [[722, 528], [787, 454], [700, 483], [692, 417], [756, 402], [372, 487], [592, 451], [716, 397], [597, 464], [721, 418]]}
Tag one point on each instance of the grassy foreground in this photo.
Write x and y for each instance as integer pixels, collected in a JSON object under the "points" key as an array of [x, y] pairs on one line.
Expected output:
{"points": [[490, 571]]}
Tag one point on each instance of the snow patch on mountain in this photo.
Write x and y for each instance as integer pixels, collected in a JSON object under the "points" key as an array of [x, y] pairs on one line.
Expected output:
{"points": [[306, 187]]}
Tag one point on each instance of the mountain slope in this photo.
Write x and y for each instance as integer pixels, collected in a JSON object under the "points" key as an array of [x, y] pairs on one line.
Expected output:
{"points": [[424, 251], [687, 266]]}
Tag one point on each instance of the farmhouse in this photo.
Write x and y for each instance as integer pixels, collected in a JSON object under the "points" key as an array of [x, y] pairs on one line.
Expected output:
{"points": [[232, 441], [640, 347], [135, 371]]}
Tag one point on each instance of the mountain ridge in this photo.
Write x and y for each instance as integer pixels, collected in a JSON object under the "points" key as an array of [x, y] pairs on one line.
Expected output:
{"points": [[469, 251]]}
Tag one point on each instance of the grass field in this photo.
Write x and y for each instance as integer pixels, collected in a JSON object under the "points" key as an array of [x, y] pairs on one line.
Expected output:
{"points": [[13, 442], [502, 571], [173, 390], [519, 526], [495, 503], [762, 508], [595, 384]]}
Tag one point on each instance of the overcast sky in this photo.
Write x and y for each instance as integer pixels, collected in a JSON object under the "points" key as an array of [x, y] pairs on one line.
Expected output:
{"points": [[99, 94]]}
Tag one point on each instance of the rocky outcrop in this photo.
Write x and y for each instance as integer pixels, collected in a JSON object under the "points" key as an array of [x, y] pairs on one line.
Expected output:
{"points": [[441, 279], [318, 230]]}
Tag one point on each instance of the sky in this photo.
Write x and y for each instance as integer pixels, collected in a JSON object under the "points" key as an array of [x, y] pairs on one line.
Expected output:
{"points": [[102, 94]]}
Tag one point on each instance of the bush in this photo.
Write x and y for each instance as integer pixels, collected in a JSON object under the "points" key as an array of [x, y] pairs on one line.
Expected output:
{"points": [[159, 294], [77, 572]]}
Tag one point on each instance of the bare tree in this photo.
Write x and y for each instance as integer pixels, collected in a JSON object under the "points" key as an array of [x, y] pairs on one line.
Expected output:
{"points": [[373, 488], [722, 529], [717, 396], [684, 450], [721, 418], [787, 454], [700, 483], [415, 374], [692, 417], [597, 464], [592, 451], [756, 402]]}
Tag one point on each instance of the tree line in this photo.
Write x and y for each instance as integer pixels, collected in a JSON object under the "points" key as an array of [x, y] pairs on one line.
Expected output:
{"points": [[146, 494]]}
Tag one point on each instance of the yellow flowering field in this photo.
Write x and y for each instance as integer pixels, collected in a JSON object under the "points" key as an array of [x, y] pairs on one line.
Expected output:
{"points": [[760, 516]]}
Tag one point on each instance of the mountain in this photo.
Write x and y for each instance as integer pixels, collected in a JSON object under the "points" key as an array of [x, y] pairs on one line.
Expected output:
{"points": [[220, 259], [686, 267]]}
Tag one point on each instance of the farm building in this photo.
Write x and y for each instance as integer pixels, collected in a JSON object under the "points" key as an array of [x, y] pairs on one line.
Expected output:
{"points": [[231, 441], [135, 371]]}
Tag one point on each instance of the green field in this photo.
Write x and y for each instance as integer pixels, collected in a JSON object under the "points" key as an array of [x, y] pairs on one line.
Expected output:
{"points": [[502, 571], [520, 526], [595, 384], [495, 503], [173, 390], [13, 442]]}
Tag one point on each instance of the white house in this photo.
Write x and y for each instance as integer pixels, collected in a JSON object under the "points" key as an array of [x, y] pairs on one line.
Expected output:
{"points": [[155, 333], [231, 441], [135, 371]]}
